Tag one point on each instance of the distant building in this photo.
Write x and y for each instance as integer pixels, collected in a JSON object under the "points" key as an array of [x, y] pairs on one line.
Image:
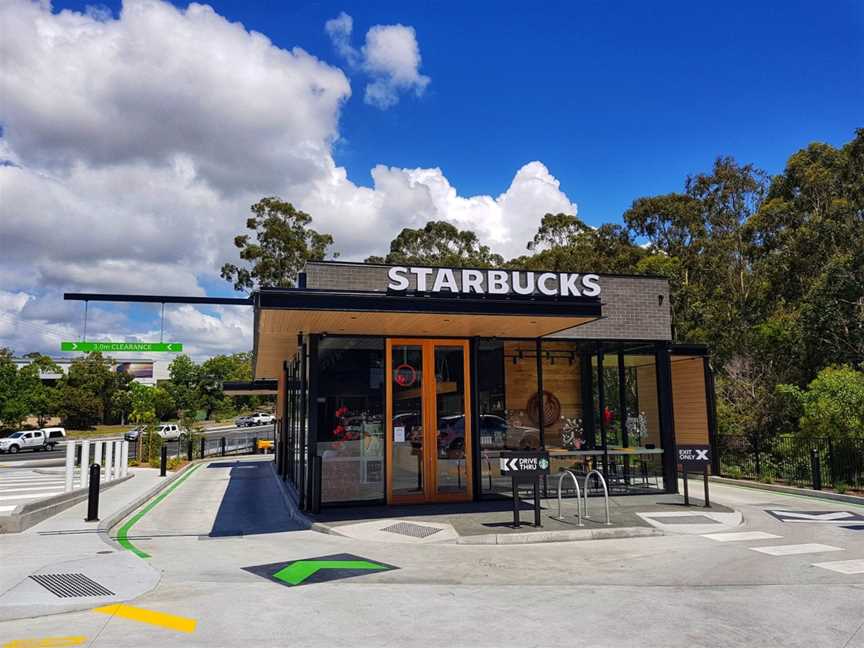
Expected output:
{"points": [[143, 371]]}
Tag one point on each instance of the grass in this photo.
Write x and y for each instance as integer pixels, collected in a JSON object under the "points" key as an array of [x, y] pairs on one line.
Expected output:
{"points": [[99, 431]]}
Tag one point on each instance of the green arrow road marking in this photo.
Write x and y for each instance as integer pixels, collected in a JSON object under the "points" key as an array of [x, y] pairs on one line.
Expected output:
{"points": [[152, 347], [297, 572], [123, 533]]}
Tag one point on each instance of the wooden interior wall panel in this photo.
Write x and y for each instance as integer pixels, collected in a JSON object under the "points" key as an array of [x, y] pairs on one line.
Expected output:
{"points": [[688, 400], [646, 386], [562, 379]]}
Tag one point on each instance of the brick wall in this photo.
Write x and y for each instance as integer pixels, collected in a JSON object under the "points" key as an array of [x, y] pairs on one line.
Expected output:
{"points": [[634, 308]]}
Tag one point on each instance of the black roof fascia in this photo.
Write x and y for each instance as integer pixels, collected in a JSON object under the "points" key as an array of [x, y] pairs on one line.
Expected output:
{"points": [[264, 384], [159, 299], [288, 299], [692, 349]]}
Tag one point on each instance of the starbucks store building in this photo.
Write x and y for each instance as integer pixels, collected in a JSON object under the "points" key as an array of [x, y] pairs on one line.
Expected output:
{"points": [[403, 385]]}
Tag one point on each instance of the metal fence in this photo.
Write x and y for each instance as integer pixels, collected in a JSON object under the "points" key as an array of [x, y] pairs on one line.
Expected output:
{"points": [[809, 462], [203, 446]]}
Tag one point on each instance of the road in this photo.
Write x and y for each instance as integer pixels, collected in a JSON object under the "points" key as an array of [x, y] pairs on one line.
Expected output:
{"points": [[784, 586]]}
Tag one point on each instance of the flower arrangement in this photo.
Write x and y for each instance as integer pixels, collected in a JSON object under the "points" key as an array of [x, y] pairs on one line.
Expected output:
{"points": [[340, 430], [637, 429], [571, 433]]}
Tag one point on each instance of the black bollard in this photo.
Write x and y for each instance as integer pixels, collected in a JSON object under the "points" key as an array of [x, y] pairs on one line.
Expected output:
{"points": [[816, 469], [93, 494], [223, 446], [163, 461], [189, 449], [254, 445], [203, 441]]}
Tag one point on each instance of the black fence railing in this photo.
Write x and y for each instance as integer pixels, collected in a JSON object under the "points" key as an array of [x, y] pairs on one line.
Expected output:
{"points": [[810, 462], [203, 446]]}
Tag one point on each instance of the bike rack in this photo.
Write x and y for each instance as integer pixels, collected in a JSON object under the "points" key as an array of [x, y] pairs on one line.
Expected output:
{"points": [[605, 494], [578, 497]]}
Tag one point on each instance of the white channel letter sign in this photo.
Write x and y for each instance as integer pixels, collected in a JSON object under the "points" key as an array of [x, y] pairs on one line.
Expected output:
{"points": [[494, 282]]}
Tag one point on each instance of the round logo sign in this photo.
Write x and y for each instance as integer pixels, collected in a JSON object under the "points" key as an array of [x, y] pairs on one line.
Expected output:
{"points": [[543, 463], [405, 375]]}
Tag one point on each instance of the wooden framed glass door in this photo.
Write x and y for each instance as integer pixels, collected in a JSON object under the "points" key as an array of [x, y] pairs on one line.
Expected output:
{"points": [[428, 421]]}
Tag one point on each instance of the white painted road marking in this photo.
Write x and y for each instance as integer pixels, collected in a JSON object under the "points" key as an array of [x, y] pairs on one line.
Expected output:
{"points": [[791, 550], [27, 489], [6, 509], [740, 536], [843, 566], [30, 496], [816, 516]]}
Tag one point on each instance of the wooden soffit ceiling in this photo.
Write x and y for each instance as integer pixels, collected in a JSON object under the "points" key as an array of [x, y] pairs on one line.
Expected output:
{"points": [[278, 329]]}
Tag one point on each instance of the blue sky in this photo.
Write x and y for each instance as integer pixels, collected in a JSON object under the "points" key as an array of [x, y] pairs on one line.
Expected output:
{"points": [[619, 100], [174, 119]]}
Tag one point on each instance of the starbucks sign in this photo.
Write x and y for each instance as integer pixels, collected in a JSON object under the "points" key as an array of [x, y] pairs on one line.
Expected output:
{"points": [[467, 281]]}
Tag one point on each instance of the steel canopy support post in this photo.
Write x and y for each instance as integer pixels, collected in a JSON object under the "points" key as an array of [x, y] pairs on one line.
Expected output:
{"points": [[622, 405], [601, 405], [474, 391], [711, 395], [303, 428], [541, 401], [667, 422]]}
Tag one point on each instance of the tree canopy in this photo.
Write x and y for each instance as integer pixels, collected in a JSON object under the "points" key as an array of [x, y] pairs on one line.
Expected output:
{"points": [[283, 243], [439, 243]]}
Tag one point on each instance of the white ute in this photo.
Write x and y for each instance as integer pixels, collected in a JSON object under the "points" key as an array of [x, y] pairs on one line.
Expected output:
{"points": [[24, 440]]}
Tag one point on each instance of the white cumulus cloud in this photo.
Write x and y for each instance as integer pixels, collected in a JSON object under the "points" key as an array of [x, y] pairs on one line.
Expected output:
{"points": [[134, 146], [390, 57]]}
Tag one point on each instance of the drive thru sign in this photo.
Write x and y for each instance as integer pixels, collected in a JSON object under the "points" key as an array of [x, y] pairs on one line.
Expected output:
{"points": [[526, 463], [525, 466]]}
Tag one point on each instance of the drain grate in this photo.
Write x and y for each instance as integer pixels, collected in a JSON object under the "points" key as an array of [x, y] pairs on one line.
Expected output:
{"points": [[413, 530], [71, 585]]}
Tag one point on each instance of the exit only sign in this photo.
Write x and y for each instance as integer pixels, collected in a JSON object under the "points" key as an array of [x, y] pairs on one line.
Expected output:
{"points": [[152, 347]]}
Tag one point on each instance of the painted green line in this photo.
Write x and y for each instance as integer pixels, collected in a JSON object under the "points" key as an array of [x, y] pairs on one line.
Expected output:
{"points": [[299, 571], [123, 533]]}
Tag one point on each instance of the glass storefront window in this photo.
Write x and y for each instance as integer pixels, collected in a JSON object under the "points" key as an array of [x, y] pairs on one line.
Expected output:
{"points": [[351, 418], [629, 412], [564, 428], [508, 405]]}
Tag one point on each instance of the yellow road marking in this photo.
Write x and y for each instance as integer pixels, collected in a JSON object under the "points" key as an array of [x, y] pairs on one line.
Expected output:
{"points": [[47, 642], [170, 621]]}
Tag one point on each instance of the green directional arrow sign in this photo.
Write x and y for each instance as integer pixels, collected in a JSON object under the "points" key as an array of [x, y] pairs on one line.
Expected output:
{"points": [[297, 572], [316, 570], [150, 347]]}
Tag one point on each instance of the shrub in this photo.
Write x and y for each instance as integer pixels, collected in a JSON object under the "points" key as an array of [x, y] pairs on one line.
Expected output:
{"points": [[734, 472], [833, 403]]}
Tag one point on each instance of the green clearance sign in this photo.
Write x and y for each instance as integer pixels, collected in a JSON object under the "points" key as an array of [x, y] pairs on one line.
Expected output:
{"points": [[150, 347]]}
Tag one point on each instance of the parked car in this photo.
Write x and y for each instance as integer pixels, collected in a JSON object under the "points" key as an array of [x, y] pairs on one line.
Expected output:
{"points": [[495, 434], [171, 432], [24, 440], [242, 421], [54, 435], [134, 434], [261, 418]]}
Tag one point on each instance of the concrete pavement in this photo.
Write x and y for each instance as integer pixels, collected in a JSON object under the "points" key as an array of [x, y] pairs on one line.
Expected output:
{"points": [[66, 538], [672, 590]]}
